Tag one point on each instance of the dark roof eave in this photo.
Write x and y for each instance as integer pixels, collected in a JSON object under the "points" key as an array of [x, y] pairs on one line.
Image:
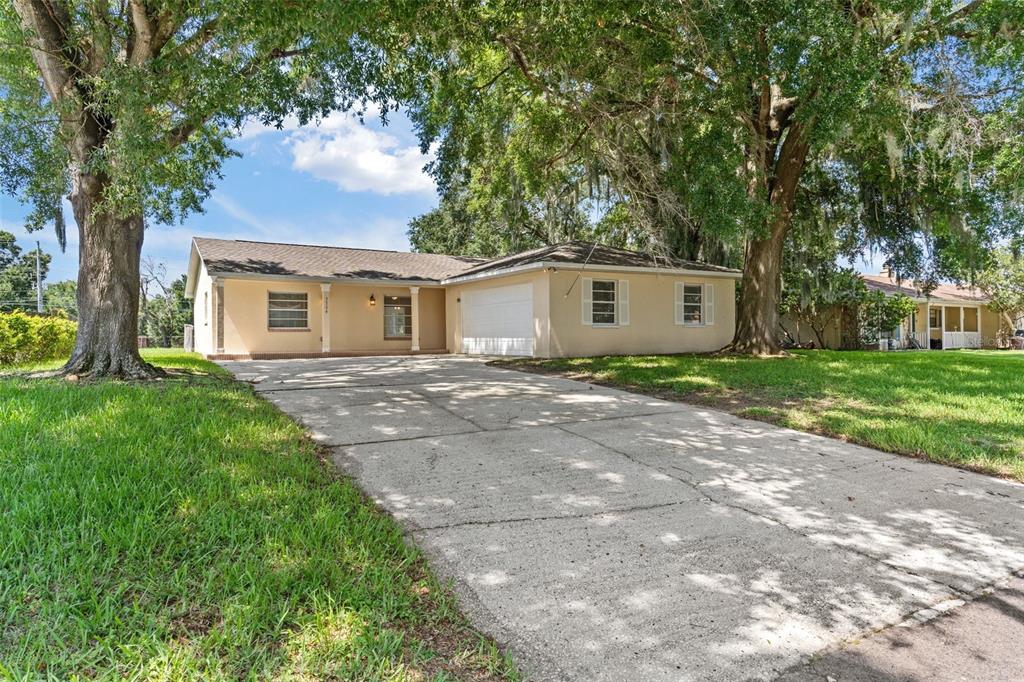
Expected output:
{"points": [[236, 259], [315, 279], [705, 271]]}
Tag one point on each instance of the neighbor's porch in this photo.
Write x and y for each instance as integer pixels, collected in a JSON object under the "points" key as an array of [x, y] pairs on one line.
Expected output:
{"points": [[941, 326]]}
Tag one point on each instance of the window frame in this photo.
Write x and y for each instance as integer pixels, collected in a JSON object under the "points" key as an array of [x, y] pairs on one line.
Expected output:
{"points": [[614, 303], [270, 309], [700, 305], [407, 305]]}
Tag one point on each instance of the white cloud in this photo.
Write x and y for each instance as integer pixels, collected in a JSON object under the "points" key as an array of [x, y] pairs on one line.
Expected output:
{"points": [[253, 128], [357, 158], [354, 156]]}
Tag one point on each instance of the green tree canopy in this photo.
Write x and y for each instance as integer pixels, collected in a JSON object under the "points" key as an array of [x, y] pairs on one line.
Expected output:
{"points": [[482, 224], [127, 107], [166, 312], [60, 298], [1003, 282], [712, 121]]}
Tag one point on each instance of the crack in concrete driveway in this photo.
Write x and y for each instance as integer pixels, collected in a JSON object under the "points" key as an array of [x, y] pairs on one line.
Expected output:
{"points": [[603, 535]]}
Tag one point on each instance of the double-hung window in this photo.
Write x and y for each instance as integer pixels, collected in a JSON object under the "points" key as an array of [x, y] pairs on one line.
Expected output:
{"points": [[287, 310], [695, 304], [603, 302], [397, 317]]}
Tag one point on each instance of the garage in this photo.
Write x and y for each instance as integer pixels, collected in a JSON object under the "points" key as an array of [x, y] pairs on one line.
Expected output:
{"points": [[498, 321]]}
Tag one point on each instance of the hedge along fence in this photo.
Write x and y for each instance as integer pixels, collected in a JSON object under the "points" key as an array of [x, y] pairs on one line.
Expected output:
{"points": [[32, 338]]}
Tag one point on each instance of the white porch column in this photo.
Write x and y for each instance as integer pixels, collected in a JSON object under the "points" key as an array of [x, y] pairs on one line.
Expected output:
{"points": [[415, 294], [325, 318], [217, 314], [943, 323], [961, 319], [211, 315], [927, 326]]}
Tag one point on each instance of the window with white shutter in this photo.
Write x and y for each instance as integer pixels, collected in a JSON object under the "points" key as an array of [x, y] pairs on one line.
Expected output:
{"points": [[603, 302], [679, 303], [622, 302], [709, 304], [587, 296], [694, 304]]}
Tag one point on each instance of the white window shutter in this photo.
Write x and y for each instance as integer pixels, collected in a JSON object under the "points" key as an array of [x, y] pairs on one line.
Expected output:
{"points": [[622, 292], [588, 300], [679, 303], [709, 304]]}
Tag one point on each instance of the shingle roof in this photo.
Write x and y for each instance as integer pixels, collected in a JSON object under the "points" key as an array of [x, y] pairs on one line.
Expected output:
{"points": [[945, 292], [238, 256], [594, 255]]}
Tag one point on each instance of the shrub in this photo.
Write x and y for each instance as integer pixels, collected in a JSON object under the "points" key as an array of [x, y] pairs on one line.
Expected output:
{"points": [[31, 338]]}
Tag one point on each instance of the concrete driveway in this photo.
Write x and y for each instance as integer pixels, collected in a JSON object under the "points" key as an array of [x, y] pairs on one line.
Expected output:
{"points": [[602, 535]]}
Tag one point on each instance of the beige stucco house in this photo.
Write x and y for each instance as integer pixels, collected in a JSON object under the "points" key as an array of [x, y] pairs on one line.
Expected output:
{"points": [[262, 300]]}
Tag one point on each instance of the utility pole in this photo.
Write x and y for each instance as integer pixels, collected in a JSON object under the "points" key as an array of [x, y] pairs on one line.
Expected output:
{"points": [[39, 281]]}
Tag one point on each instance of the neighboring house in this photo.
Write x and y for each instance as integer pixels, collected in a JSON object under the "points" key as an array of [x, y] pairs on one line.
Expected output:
{"points": [[947, 317], [261, 300]]}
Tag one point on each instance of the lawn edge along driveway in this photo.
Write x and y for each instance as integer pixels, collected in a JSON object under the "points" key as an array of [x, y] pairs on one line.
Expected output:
{"points": [[186, 528], [959, 408]]}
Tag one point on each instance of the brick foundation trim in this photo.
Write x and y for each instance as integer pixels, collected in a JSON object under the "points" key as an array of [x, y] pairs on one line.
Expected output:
{"points": [[312, 356]]}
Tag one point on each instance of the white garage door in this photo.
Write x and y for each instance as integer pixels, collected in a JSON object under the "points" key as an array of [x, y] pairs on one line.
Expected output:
{"points": [[498, 321]]}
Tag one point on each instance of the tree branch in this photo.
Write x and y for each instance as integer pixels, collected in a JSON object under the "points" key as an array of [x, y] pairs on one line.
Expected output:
{"points": [[520, 60], [141, 45], [493, 80], [150, 32], [47, 38], [181, 132], [198, 40], [939, 25]]}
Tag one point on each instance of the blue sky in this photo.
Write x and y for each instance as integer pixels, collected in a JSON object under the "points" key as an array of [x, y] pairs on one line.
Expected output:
{"points": [[340, 183]]}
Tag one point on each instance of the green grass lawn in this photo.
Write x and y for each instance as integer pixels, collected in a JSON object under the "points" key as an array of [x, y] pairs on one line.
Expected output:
{"points": [[186, 529], [964, 408]]}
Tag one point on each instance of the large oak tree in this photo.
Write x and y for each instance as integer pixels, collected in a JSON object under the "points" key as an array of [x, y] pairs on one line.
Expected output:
{"points": [[704, 117], [125, 108]]}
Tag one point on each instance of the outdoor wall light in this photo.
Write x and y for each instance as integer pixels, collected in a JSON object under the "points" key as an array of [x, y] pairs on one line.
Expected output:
{"points": [[373, 301]]}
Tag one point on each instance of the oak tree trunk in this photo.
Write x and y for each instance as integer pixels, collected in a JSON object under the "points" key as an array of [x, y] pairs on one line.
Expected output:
{"points": [[849, 335], [109, 253], [757, 313]]}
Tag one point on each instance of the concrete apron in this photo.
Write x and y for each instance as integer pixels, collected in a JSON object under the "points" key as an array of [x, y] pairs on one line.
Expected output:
{"points": [[602, 535]]}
